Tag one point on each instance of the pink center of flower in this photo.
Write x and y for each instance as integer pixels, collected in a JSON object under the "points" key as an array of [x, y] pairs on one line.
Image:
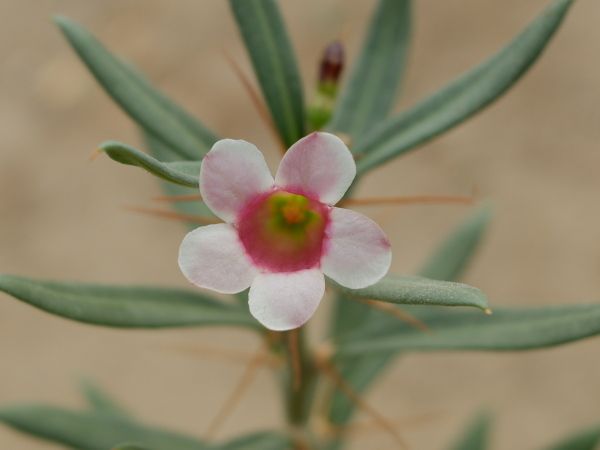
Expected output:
{"points": [[283, 232]]}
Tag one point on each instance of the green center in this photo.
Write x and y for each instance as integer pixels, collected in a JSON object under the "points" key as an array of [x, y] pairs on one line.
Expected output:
{"points": [[291, 212]]}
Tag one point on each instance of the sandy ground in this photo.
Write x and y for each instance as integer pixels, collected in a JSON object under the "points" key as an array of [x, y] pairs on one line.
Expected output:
{"points": [[534, 155]]}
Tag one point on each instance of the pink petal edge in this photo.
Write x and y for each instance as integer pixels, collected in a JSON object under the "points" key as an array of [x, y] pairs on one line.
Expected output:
{"points": [[358, 253], [284, 301], [319, 166], [212, 257], [231, 174]]}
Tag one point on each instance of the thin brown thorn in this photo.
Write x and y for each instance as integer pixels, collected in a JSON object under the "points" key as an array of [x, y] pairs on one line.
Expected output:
{"points": [[255, 98], [295, 358], [411, 200], [95, 154], [202, 220], [273, 338], [235, 396], [370, 426], [178, 198], [222, 353], [330, 371], [394, 311]]}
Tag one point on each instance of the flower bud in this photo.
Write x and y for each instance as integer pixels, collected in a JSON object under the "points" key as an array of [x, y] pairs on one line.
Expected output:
{"points": [[330, 71], [332, 64]]}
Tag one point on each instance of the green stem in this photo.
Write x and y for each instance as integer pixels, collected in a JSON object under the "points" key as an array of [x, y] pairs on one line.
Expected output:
{"points": [[299, 382]]}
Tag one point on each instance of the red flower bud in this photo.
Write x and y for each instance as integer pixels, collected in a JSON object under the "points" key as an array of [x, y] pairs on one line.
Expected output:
{"points": [[332, 63]]}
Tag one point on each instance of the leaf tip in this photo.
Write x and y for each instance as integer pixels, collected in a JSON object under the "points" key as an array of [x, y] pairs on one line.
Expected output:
{"points": [[115, 150], [563, 4], [63, 22], [110, 144], [59, 19]]}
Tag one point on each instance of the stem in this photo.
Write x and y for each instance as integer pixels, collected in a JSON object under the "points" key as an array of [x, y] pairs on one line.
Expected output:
{"points": [[299, 384], [299, 390]]}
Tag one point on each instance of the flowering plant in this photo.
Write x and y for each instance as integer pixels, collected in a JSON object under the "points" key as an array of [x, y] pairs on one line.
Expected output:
{"points": [[283, 236]]}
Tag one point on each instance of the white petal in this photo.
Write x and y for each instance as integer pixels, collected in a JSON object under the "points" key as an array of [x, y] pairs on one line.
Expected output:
{"points": [[212, 257], [358, 253], [232, 173], [319, 165], [284, 301]]}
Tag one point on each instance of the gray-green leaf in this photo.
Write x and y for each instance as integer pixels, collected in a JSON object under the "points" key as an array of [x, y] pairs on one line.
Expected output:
{"points": [[255, 441], [452, 256], [447, 262], [463, 97], [371, 89], [163, 153], [130, 447], [506, 330], [476, 436], [270, 50], [125, 306], [359, 372], [588, 439], [413, 290], [100, 401], [151, 109], [90, 430], [259, 441], [185, 173], [361, 369]]}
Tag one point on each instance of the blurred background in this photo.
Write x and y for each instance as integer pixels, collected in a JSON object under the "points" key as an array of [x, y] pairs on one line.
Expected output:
{"points": [[534, 155]]}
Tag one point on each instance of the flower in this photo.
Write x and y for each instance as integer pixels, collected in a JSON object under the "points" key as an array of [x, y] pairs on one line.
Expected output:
{"points": [[282, 235]]}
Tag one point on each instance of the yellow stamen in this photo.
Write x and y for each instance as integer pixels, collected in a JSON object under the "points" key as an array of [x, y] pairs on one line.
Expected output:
{"points": [[293, 213]]}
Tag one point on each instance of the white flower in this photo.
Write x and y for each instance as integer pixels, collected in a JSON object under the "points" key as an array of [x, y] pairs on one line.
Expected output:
{"points": [[282, 236]]}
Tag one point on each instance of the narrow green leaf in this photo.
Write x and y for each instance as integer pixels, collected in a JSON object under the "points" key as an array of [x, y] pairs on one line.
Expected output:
{"points": [[255, 441], [130, 447], [370, 92], [506, 330], [125, 306], [451, 258], [463, 97], [185, 173], [588, 439], [348, 314], [412, 290], [258, 441], [270, 50], [100, 401], [476, 436], [447, 262], [163, 153], [358, 371], [91, 431], [152, 110]]}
